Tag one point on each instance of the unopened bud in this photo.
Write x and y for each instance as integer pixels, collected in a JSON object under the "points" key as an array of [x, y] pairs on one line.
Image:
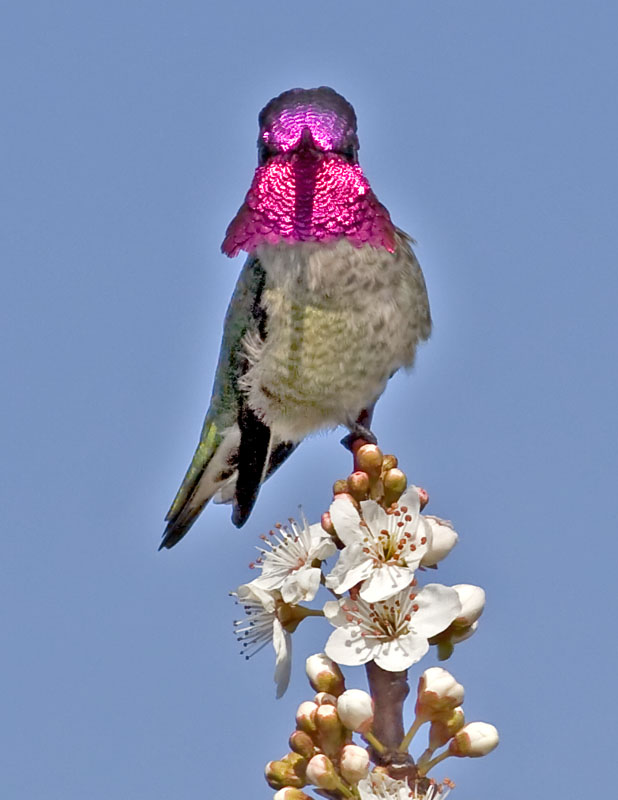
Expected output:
{"points": [[423, 496], [472, 599], [441, 540], [286, 772], [325, 699], [288, 793], [355, 709], [354, 763], [437, 692], [389, 462], [446, 727], [358, 485], [321, 773], [302, 743], [474, 740], [369, 459], [327, 523], [305, 717], [395, 482], [331, 734], [324, 674], [340, 487]]}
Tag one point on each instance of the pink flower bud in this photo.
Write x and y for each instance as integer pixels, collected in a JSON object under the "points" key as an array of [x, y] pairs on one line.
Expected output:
{"points": [[474, 740], [438, 692], [324, 675], [305, 717], [321, 772], [354, 763], [472, 599], [355, 709]]}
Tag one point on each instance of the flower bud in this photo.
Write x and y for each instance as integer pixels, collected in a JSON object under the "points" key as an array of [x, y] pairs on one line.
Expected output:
{"points": [[358, 485], [354, 763], [389, 462], [331, 734], [301, 743], [305, 717], [321, 773], [472, 599], [288, 793], [441, 541], [446, 727], [340, 487], [327, 523], [395, 483], [325, 699], [324, 674], [437, 692], [423, 496], [355, 709], [474, 740], [369, 459], [286, 772]]}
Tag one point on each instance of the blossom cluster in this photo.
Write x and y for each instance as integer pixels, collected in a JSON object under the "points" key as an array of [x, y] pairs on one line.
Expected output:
{"points": [[382, 542], [371, 550], [323, 754]]}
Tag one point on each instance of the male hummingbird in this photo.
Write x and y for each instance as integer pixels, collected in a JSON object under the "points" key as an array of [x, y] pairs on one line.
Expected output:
{"points": [[329, 304]]}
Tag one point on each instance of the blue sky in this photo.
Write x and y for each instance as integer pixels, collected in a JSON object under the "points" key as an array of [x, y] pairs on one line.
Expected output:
{"points": [[489, 130]]}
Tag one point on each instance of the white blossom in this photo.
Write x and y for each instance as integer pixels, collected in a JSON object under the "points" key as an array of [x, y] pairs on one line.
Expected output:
{"points": [[287, 564], [382, 548], [474, 740], [262, 626], [394, 632]]}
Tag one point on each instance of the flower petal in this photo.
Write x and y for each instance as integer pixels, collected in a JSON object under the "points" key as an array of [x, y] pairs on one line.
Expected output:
{"points": [[282, 642], [301, 586], [385, 581], [400, 653], [348, 646], [438, 606], [352, 567], [346, 520]]}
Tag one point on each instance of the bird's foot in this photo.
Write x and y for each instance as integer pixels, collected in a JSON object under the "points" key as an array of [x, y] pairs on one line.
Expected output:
{"points": [[358, 434]]}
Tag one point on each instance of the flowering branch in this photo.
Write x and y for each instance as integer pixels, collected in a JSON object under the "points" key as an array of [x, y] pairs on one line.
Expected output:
{"points": [[382, 619]]}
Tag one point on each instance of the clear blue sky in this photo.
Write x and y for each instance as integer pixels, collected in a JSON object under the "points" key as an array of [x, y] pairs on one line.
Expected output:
{"points": [[489, 129]]}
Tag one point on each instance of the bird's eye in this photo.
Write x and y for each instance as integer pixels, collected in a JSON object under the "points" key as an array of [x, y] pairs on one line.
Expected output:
{"points": [[264, 153], [350, 154]]}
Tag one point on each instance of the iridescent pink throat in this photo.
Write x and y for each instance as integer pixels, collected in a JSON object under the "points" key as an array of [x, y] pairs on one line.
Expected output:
{"points": [[309, 197]]}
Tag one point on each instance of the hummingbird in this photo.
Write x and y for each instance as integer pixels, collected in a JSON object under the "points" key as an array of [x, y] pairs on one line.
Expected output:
{"points": [[330, 303]]}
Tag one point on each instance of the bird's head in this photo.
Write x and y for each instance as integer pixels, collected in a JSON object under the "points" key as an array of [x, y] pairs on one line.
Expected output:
{"points": [[308, 119]]}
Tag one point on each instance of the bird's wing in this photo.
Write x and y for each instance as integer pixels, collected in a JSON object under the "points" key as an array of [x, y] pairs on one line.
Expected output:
{"points": [[216, 458]]}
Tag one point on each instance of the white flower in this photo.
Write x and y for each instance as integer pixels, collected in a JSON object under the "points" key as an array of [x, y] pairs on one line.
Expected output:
{"points": [[287, 565], [394, 632], [261, 626], [382, 548], [377, 786]]}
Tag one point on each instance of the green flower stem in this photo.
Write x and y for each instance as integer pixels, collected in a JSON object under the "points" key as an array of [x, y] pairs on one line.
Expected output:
{"points": [[403, 747], [374, 742], [423, 769]]}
